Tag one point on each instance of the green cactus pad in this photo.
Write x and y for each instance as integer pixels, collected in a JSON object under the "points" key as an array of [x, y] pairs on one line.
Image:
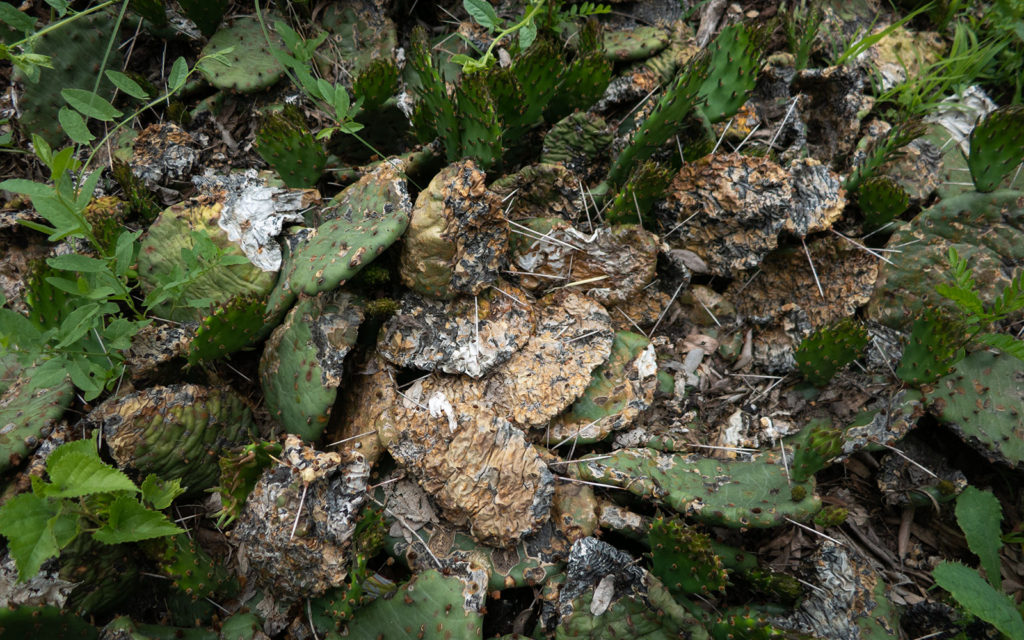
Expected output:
{"points": [[74, 50], [27, 412], [364, 220], [160, 261], [430, 605], [228, 329], [634, 44], [982, 401], [584, 80], [986, 229], [481, 130], [935, 344], [124, 628], [732, 493], [285, 143], [829, 349], [997, 146], [683, 559], [577, 141], [106, 575], [361, 35], [735, 60], [376, 83], [251, 64], [817, 444], [174, 432], [44, 622], [193, 571], [645, 185], [303, 361], [239, 470], [881, 200]]}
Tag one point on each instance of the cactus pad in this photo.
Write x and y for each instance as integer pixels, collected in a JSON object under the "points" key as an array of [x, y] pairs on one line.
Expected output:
{"points": [[458, 236], [730, 493], [982, 400], [881, 199], [683, 559], [251, 64], [285, 143], [44, 622], [829, 349], [735, 60], [997, 146], [28, 412], [303, 361], [935, 344], [229, 328], [174, 432]]}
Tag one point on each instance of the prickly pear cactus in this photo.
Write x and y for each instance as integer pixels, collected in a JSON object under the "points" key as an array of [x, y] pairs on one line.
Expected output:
{"points": [[303, 361], [286, 144], [362, 221], [431, 604], [829, 349], [105, 575], [251, 65], [174, 432], [240, 468], [160, 260], [28, 411], [74, 49], [731, 493], [584, 80], [636, 197], [813, 448], [44, 622], [735, 60], [361, 37], [577, 141], [934, 346], [193, 572], [458, 236], [634, 44], [986, 229], [997, 146], [881, 199], [683, 559], [982, 401], [230, 327]]}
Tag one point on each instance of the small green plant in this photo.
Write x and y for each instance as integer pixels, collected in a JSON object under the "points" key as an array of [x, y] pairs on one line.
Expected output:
{"points": [[829, 349], [83, 495], [979, 515], [801, 23], [883, 150]]}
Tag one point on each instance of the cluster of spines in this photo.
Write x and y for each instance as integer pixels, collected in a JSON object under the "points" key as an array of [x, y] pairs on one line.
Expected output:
{"points": [[682, 558], [814, 447], [286, 144], [227, 329], [881, 200], [934, 346], [997, 146]]}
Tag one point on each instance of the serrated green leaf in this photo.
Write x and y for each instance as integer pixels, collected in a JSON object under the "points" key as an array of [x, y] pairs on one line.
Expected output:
{"points": [[79, 474], [25, 522], [160, 493], [126, 84], [979, 598], [85, 446], [90, 104], [179, 73], [1005, 343], [979, 514], [129, 521], [65, 526], [482, 12], [74, 125]]}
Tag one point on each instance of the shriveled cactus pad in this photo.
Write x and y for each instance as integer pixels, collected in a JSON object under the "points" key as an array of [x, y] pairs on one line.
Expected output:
{"points": [[302, 364], [299, 520], [469, 335], [610, 264], [458, 236], [174, 432]]}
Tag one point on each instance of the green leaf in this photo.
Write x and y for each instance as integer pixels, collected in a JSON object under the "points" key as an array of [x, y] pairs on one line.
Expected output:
{"points": [[80, 474], [78, 323], [129, 521], [325, 89], [90, 104], [1005, 343], [85, 192], [179, 73], [25, 522], [85, 446], [124, 252], [527, 35], [16, 19], [126, 84], [65, 526], [76, 262], [160, 493], [978, 513], [341, 103], [27, 188], [979, 598], [482, 12], [350, 127], [61, 6], [74, 125]]}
